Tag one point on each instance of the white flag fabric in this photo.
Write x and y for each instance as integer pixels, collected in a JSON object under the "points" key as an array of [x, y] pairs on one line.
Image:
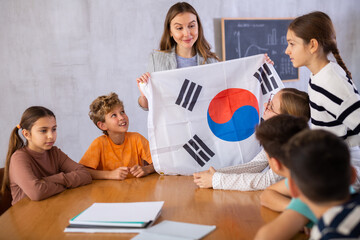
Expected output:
{"points": [[206, 115]]}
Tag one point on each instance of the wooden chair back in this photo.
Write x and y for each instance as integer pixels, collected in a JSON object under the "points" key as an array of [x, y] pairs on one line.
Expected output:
{"points": [[5, 199]]}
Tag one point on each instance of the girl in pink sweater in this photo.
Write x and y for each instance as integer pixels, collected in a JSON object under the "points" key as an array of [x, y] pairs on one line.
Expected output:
{"points": [[37, 169]]}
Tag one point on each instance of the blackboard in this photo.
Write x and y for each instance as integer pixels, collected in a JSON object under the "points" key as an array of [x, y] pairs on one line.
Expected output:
{"points": [[247, 37]]}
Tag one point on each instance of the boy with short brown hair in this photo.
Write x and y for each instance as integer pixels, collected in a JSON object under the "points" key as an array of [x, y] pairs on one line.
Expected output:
{"points": [[117, 154], [321, 175]]}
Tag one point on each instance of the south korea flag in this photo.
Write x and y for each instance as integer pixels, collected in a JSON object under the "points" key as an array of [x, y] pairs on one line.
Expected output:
{"points": [[206, 115]]}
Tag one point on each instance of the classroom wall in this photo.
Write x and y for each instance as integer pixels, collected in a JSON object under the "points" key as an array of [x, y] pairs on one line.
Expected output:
{"points": [[63, 54]]}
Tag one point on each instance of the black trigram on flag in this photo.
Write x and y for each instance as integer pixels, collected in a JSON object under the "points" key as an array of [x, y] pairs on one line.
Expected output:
{"points": [[187, 95], [196, 147], [266, 79]]}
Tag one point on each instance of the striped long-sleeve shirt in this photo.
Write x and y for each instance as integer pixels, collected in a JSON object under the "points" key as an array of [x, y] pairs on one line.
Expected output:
{"points": [[339, 222], [335, 103]]}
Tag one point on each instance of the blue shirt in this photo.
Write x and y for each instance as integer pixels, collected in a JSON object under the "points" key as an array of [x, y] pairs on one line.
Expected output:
{"points": [[299, 206], [186, 62]]}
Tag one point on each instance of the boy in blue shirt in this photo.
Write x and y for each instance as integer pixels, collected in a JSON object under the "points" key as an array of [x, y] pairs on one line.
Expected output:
{"points": [[321, 175]]}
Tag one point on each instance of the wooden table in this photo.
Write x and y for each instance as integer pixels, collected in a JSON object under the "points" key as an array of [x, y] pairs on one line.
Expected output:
{"points": [[237, 215]]}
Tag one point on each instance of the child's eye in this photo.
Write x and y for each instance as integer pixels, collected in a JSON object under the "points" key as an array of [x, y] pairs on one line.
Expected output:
{"points": [[43, 131], [54, 129], [114, 115]]}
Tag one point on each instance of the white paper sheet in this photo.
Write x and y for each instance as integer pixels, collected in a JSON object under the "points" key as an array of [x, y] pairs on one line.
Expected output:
{"points": [[175, 231]]}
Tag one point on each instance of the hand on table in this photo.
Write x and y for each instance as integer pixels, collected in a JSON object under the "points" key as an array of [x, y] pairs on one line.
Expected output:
{"points": [[119, 173], [204, 179], [141, 171]]}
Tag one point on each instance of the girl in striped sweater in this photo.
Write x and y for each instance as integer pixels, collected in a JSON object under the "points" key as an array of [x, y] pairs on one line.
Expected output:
{"points": [[334, 99]]}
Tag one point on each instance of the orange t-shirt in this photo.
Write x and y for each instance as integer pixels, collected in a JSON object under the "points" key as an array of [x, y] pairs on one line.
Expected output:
{"points": [[103, 154]]}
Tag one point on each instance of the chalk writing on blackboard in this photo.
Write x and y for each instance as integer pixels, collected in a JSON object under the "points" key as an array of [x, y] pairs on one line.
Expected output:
{"points": [[247, 37]]}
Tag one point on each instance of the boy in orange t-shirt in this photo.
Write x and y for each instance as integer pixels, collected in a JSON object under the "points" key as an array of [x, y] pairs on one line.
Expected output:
{"points": [[117, 154]]}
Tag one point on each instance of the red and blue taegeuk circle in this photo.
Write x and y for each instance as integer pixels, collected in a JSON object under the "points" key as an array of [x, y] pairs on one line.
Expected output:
{"points": [[233, 114]]}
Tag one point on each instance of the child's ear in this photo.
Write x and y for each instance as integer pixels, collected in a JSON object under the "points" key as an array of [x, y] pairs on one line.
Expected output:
{"points": [[294, 190], [102, 125], [353, 175], [275, 164], [314, 45], [26, 133]]}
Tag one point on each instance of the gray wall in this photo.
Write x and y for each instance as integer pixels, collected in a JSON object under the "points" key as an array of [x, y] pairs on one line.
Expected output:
{"points": [[63, 54]]}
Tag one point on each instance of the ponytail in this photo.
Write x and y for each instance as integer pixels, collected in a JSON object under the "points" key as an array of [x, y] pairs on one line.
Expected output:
{"points": [[15, 143], [335, 52]]}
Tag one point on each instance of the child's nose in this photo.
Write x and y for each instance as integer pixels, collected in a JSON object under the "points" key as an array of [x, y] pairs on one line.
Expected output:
{"points": [[287, 50], [50, 135]]}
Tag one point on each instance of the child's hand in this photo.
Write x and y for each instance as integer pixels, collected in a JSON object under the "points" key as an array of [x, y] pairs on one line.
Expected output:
{"points": [[268, 60], [204, 179], [138, 171], [119, 173]]}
